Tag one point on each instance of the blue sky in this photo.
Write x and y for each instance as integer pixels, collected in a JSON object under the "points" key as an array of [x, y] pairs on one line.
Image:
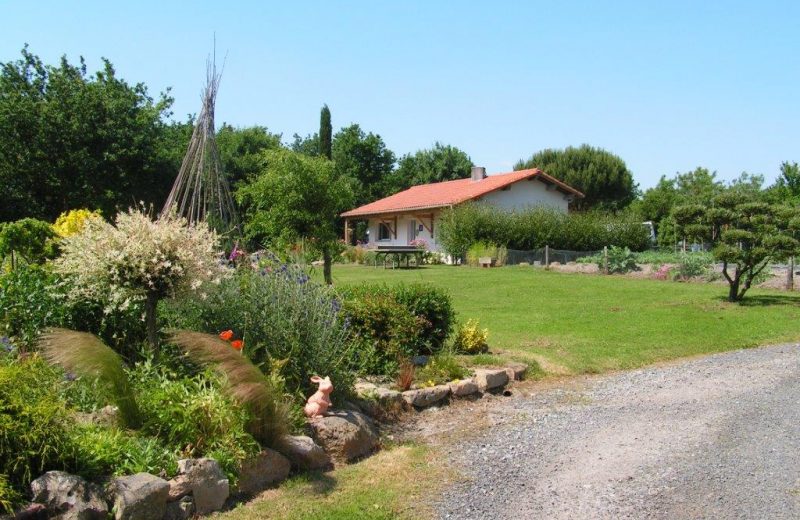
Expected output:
{"points": [[667, 86]]}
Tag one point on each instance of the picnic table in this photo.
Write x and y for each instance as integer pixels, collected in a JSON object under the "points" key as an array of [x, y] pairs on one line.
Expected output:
{"points": [[398, 254]]}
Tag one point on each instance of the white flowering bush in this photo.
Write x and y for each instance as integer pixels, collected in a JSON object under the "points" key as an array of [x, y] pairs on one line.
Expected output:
{"points": [[136, 259]]}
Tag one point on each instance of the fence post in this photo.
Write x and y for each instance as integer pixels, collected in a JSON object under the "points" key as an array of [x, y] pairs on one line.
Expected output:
{"points": [[605, 259], [546, 255], [790, 275]]}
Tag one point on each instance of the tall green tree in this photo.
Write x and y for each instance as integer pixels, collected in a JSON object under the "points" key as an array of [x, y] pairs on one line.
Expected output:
{"points": [[787, 186], [308, 145], [240, 150], [437, 164], [364, 158], [325, 133], [70, 140], [747, 235], [602, 176], [296, 197]]}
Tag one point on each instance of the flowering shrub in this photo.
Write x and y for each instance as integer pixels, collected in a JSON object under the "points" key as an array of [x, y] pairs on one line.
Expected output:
{"points": [[287, 322], [73, 221], [419, 243], [471, 339], [137, 259], [662, 273]]}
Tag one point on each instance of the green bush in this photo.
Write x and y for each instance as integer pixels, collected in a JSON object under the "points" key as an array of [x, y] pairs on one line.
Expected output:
{"points": [[691, 265], [288, 322], [99, 451], [29, 302], [430, 306], [193, 416], [471, 339], [440, 369], [28, 239], [383, 330], [9, 497], [466, 224], [480, 250], [34, 423], [620, 260], [33, 298]]}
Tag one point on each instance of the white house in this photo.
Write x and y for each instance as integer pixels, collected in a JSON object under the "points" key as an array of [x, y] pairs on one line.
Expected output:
{"points": [[413, 214]]}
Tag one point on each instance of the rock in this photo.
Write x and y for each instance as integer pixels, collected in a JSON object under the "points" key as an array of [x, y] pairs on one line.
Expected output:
{"points": [[183, 509], [463, 387], [365, 389], [424, 397], [69, 497], [266, 468], [345, 435], [490, 378], [303, 452], [516, 371], [206, 482], [140, 496], [353, 407], [29, 512]]}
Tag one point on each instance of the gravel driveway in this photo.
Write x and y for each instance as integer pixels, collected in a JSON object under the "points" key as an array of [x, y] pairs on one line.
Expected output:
{"points": [[717, 437]]}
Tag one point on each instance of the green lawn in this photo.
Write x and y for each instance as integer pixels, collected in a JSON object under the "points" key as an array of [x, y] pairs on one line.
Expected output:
{"points": [[577, 323]]}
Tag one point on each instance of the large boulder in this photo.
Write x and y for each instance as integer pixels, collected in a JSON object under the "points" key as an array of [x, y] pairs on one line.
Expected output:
{"points": [[303, 453], [516, 371], [204, 480], [345, 435], [425, 397], [463, 387], [28, 512], [268, 467], [140, 496], [491, 378], [183, 509], [69, 497]]}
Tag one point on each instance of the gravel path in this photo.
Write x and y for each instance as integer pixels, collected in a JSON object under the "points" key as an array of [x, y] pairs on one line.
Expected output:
{"points": [[717, 437]]}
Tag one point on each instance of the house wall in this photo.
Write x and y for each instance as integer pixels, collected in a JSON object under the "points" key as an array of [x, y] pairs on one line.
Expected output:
{"points": [[527, 193], [403, 235]]}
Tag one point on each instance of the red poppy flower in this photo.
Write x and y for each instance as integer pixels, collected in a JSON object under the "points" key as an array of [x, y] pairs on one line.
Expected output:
{"points": [[226, 335], [237, 344]]}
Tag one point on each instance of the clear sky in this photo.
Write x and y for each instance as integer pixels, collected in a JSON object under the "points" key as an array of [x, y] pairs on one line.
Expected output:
{"points": [[667, 86]]}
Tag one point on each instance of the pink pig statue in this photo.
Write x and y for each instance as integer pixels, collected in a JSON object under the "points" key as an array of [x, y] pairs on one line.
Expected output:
{"points": [[319, 402]]}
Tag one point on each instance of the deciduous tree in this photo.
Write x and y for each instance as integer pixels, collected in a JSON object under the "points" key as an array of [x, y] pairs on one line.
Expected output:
{"points": [[437, 164], [364, 158], [296, 197]]}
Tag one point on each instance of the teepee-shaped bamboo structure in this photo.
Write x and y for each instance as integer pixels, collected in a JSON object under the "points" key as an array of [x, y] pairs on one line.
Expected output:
{"points": [[201, 192]]}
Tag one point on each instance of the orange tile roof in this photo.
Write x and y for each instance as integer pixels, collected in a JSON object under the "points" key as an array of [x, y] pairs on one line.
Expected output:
{"points": [[449, 193]]}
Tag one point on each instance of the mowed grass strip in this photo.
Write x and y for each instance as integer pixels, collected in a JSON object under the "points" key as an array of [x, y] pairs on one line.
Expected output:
{"points": [[393, 484], [578, 323]]}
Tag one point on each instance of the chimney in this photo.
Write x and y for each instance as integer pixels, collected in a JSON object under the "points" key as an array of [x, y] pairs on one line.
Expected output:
{"points": [[478, 173]]}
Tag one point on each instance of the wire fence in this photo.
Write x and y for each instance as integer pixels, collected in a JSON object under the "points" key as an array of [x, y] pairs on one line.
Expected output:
{"points": [[546, 256]]}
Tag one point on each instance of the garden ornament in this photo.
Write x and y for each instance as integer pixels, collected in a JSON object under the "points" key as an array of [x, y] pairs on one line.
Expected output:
{"points": [[319, 402]]}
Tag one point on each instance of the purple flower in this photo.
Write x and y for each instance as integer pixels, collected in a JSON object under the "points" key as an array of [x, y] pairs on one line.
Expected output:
{"points": [[69, 376]]}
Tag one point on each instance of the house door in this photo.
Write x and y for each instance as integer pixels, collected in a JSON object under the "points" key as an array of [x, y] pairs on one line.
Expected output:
{"points": [[412, 230]]}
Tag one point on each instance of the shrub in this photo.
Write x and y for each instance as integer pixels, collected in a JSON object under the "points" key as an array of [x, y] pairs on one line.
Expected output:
{"points": [[73, 221], [383, 331], [29, 302], [531, 229], [34, 424], [138, 260], [471, 339], [620, 260], [441, 368], [691, 265], [193, 416], [285, 319], [30, 239], [9, 496], [99, 451]]}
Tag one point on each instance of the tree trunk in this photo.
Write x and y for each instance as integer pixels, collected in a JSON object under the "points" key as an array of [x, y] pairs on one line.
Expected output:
{"points": [[327, 262], [733, 291], [150, 320], [790, 275]]}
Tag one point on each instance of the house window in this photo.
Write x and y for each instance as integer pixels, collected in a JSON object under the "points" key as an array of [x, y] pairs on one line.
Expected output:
{"points": [[383, 232]]}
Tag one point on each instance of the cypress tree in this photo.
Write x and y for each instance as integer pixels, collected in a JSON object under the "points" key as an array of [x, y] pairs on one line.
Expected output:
{"points": [[325, 132]]}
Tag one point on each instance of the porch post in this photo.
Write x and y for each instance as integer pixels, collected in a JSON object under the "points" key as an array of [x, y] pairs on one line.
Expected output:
{"points": [[347, 231]]}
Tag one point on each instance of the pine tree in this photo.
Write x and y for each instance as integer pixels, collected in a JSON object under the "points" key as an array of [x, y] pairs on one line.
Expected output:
{"points": [[325, 132]]}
